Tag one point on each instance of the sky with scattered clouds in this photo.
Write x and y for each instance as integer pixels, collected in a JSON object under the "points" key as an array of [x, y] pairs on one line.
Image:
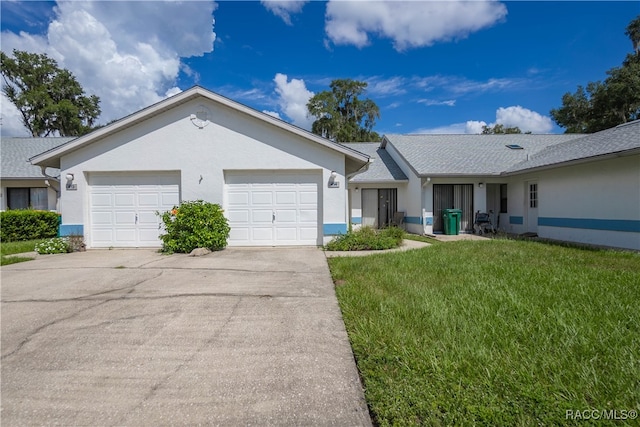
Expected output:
{"points": [[431, 66]]}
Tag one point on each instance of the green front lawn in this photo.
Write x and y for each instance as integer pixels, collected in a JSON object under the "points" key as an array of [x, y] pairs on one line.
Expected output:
{"points": [[496, 332], [10, 248]]}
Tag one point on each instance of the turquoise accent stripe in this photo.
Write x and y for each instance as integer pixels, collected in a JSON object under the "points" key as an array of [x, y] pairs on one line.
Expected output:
{"points": [[71, 230], [334, 229], [516, 220], [413, 219], [628, 225], [356, 220], [428, 220]]}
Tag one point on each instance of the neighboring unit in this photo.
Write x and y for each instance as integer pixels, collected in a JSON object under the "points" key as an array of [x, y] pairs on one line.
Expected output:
{"points": [[278, 184], [23, 185], [579, 188]]}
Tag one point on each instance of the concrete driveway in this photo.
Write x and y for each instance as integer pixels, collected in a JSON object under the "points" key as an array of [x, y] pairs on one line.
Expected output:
{"points": [[133, 337]]}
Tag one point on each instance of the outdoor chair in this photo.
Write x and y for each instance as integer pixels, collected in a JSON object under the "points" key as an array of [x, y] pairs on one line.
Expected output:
{"points": [[483, 222], [398, 219]]}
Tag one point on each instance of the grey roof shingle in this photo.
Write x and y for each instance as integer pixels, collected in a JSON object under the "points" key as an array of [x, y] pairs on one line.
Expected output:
{"points": [[452, 155], [621, 138], [16, 152], [383, 167]]}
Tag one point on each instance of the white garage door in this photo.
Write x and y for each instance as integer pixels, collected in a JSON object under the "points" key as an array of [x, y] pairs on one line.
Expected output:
{"points": [[272, 209], [123, 207]]}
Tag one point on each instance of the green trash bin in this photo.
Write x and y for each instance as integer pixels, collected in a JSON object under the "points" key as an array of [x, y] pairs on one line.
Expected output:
{"points": [[452, 219]]}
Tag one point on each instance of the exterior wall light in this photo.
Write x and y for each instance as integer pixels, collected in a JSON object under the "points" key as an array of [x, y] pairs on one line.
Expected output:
{"points": [[70, 184], [480, 184], [332, 180]]}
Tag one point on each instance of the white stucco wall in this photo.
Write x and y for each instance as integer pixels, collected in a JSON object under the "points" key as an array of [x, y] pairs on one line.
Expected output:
{"points": [[232, 141], [412, 205], [584, 203]]}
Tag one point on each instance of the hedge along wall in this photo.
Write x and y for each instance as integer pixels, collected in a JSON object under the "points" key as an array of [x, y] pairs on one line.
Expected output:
{"points": [[16, 225]]}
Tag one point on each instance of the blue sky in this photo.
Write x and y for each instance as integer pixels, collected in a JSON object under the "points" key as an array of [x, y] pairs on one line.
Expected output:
{"points": [[443, 67]]}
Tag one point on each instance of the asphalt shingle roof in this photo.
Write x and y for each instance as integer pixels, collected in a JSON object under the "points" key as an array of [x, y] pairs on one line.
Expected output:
{"points": [[470, 154], [621, 138], [382, 168], [16, 152]]}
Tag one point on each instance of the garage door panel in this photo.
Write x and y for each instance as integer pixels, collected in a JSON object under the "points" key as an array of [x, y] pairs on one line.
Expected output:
{"points": [[125, 218], [308, 233], [147, 218], [262, 216], [152, 199], [238, 198], [170, 199], [125, 235], [240, 233], [286, 215], [101, 200], [262, 198], [308, 197], [237, 216], [125, 200], [102, 218], [308, 216], [262, 234], [286, 197]]}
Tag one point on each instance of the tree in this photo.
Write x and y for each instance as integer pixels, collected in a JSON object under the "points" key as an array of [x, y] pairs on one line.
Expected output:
{"points": [[603, 105], [341, 115], [50, 99], [633, 32], [499, 129]]}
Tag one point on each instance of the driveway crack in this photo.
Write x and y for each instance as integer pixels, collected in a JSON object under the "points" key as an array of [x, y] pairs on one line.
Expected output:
{"points": [[39, 329]]}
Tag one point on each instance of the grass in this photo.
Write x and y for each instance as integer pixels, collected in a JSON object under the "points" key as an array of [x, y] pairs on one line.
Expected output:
{"points": [[10, 248], [495, 332]]}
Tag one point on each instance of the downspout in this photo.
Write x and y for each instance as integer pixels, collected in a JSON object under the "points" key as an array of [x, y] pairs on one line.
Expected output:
{"points": [[43, 170], [364, 168]]}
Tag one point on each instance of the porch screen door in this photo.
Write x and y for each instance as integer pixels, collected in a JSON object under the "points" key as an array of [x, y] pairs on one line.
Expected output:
{"points": [[369, 207], [453, 196]]}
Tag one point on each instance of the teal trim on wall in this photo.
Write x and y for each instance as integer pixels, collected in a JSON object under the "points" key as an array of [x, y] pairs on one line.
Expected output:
{"points": [[334, 229], [356, 220], [413, 219], [627, 225], [71, 230], [519, 220]]}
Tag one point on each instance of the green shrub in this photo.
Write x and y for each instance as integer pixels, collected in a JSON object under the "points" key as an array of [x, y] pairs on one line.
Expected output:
{"points": [[195, 224], [367, 238], [18, 225], [58, 245]]}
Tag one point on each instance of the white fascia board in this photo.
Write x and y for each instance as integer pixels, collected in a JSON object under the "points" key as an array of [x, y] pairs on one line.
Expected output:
{"points": [[52, 157]]}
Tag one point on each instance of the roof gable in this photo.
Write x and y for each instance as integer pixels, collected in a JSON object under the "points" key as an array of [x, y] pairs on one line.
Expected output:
{"points": [[382, 167], [52, 157]]}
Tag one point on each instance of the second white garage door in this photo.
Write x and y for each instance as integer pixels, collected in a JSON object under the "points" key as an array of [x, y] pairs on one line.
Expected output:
{"points": [[272, 208]]}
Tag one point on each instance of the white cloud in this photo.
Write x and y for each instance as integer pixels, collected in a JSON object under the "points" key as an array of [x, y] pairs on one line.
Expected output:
{"points": [[11, 121], [272, 114], [435, 102], [292, 99], [408, 24], [129, 65], [284, 8], [515, 116], [525, 119], [469, 127]]}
